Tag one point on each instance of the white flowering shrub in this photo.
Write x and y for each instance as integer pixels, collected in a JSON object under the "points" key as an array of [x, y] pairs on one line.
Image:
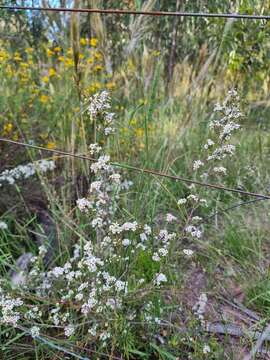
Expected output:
{"points": [[215, 152], [23, 172], [110, 277], [218, 148], [108, 287]]}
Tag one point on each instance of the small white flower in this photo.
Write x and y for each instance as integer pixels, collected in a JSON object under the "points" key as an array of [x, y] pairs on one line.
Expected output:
{"points": [[101, 164], [126, 242], [84, 204], [188, 252], [97, 222], [115, 228], [130, 226], [42, 250], [57, 271], [95, 186], [160, 278], [193, 198], [206, 349], [34, 331], [163, 252], [3, 225], [147, 229], [203, 202], [93, 331], [181, 201], [79, 297], [220, 170], [156, 257], [195, 232], [196, 218], [209, 143], [69, 330], [120, 285], [104, 335], [116, 178], [108, 130], [197, 164], [170, 218], [94, 149], [143, 237]]}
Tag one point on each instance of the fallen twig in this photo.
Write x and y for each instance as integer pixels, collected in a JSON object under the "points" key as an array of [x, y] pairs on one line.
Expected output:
{"points": [[265, 335], [235, 330]]}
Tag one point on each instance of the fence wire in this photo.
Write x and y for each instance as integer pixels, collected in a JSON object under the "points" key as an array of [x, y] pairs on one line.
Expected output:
{"points": [[140, 12], [141, 170]]}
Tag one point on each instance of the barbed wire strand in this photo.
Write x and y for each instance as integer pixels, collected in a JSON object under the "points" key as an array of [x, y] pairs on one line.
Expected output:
{"points": [[141, 170], [140, 12]]}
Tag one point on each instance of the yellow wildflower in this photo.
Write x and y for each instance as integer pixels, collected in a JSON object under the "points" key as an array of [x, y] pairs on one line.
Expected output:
{"points": [[49, 52], [7, 128], [83, 41], [15, 137], [24, 65], [50, 145], [110, 85], [57, 49], [61, 58], [17, 57], [81, 56], [94, 87], [139, 132], [98, 56], [133, 122], [69, 62], [90, 60], [52, 72], [9, 70], [98, 68], [93, 42], [44, 99], [69, 52], [24, 78], [155, 53], [3, 55], [45, 79], [29, 50]]}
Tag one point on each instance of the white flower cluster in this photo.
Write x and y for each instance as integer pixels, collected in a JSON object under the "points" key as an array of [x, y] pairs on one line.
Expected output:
{"points": [[101, 273], [161, 278], [98, 103], [163, 238], [9, 311], [194, 231], [25, 171], [35, 330], [223, 129], [3, 225], [192, 199], [99, 106]]}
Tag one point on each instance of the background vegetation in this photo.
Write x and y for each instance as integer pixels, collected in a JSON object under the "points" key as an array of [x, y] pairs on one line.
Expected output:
{"points": [[164, 75]]}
